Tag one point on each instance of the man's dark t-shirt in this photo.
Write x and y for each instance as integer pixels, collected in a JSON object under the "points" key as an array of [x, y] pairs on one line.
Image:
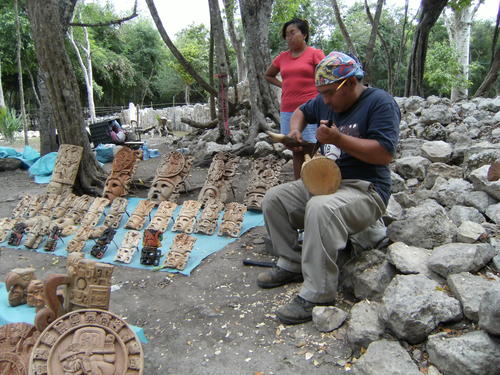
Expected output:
{"points": [[374, 116]]}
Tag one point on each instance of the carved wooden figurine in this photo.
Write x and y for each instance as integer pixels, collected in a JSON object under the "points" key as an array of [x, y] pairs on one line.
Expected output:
{"points": [[187, 217], [123, 169], [63, 206], [35, 206], [232, 219], [50, 203], [179, 252], [171, 172], [88, 286], [162, 216], [101, 245], [138, 217], [6, 225], [16, 344], [54, 236], [113, 218], [16, 283], [74, 215], [128, 246], [35, 296], [65, 169], [17, 233], [219, 178], [150, 254], [263, 176], [208, 221], [22, 205], [87, 342], [77, 243], [37, 232]]}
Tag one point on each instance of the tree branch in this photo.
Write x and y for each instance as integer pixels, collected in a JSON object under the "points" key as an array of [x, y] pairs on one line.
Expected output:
{"points": [[198, 125], [108, 23]]}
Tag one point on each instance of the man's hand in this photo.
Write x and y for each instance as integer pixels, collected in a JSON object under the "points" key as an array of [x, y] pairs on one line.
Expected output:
{"points": [[326, 134], [297, 135]]}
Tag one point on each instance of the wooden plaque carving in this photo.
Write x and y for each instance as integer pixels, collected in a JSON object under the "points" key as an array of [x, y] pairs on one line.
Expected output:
{"points": [[65, 169], [219, 178], [232, 219], [65, 203], [208, 220], [37, 232], [18, 211], [162, 216], [16, 343], [6, 226], [263, 176], [123, 169], [179, 252], [187, 217], [113, 218], [138, 217], [171, 172], [87, 341], [128, 246]]}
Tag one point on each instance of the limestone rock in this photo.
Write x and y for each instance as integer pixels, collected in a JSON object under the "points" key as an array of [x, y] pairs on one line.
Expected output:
{"points": [[489, 310], [469, 289], [437, 151], [409, 259], [328, 318], [365, 325], [460, 257], [470, 232]]}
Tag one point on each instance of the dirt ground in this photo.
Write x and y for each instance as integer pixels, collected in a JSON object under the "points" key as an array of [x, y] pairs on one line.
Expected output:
{"points": [[216, 321]]}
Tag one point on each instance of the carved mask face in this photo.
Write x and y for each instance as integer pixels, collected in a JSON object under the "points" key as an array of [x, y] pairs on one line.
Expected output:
{"points": [[255, 200], [17, 295], [35, 294], [114, 188], [161, 190]]}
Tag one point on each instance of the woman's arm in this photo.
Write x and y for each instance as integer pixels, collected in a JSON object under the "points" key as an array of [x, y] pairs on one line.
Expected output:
{"points": [[270, 75]]}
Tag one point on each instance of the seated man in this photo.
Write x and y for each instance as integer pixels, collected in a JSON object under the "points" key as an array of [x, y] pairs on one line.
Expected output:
{"points": [[366, 130], [117, 133]]}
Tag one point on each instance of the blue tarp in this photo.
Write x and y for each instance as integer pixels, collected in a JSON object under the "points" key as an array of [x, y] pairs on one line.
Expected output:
{"points": [[27, 157], [26, 314], [203, 247], [42, 169]]}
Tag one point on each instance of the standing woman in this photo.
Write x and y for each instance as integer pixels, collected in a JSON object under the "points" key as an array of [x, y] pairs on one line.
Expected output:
{"points": [[296, 66]]}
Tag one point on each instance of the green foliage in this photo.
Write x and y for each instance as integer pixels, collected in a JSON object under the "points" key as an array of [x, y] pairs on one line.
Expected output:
{"points": [[10, 123], [442, 70]]}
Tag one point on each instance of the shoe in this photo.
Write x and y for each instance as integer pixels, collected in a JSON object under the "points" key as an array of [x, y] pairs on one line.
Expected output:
{"points": [[298, 311], [277, 277]]}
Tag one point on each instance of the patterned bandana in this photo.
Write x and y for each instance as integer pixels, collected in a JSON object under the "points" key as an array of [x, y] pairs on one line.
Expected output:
{"points": [[336, 67]]}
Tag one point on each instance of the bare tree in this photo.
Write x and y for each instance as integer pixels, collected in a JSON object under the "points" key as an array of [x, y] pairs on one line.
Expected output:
{"points": [[62, 88], [429, 13], [229, 6], [343, 28], [255, 15], [370, 48], [177, 54], [20, 74]]}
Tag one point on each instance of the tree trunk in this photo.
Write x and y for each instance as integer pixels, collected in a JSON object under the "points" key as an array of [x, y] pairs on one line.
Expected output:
{"points": [[33, 87], [177, 54], [491, 77], [402, 44], [343, 28], [2, 99], [429, 13], [221, 68], [20, 75], [229, 6], [213, 113], [86, 69], [255, 15], [459, 27], [373, 38], [62, 88], [48, 140]]}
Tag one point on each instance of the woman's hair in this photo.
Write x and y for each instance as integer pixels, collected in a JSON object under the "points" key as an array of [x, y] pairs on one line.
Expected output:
{"points": [[301, 24]]}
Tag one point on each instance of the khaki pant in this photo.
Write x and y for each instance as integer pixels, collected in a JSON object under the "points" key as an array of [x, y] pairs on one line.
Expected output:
{"points": [[327, 220]]}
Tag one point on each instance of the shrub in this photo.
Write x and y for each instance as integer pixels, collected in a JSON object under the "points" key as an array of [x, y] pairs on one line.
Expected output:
{"points": [[10, 123]]}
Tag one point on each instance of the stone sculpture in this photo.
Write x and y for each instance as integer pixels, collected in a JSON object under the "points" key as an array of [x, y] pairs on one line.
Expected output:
{"points": [[128, 246], [37, 232], [171, 172], [6, 225], [87, 341], [162, 216], [16, 283], [123, 169], [113, 218], [150, 254], [207, 223], [77, 243], [88, 286], [54, 235], [263, 176], [138, 217], [16, 236], [101, 245], [187, 217], [16, 343], [219, 178], [34, 297], [65, 169], [179, 252], [232, 219]]}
